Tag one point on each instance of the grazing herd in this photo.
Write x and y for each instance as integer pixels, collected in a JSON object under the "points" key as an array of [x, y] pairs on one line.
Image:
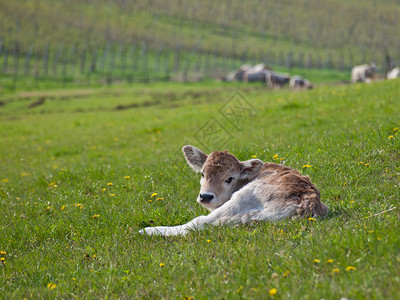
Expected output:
{"points": [[368, 73], [261, 73]]}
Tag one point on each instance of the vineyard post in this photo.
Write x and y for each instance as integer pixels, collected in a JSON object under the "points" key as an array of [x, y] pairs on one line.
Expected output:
{"points": [[56, 59], [64, 67], [5, 60], [16, 65], [28, 59], [46, 59]]}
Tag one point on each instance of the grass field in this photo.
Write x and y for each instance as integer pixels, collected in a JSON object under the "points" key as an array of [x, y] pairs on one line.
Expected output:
{"points": [[79, 169]]}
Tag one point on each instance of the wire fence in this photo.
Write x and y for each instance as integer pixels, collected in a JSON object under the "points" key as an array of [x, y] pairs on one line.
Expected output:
{"points": [[109, 63]]}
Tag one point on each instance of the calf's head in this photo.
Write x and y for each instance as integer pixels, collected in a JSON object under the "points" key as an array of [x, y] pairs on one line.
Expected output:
{"points": [[222, 174]]}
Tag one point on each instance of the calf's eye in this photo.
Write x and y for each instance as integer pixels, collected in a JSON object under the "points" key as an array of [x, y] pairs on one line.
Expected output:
{"points": [[202, 175], [229, 180]]}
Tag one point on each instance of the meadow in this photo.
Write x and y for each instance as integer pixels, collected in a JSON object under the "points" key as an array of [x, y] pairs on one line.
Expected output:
{"points": [[83, 169]]}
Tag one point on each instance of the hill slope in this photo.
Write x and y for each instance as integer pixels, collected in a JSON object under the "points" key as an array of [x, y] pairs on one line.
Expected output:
{"points": [[79, 169], [364, 29]]}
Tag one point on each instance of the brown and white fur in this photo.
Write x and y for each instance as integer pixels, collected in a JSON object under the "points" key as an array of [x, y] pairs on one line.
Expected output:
{"points": [[243, 191]]}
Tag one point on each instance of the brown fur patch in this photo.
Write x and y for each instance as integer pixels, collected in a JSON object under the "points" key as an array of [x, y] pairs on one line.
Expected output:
{"points": [[295, 187]]}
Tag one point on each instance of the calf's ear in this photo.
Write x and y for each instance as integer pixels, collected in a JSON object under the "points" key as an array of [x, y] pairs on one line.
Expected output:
{"points": [[250, 169], [194, 157]]}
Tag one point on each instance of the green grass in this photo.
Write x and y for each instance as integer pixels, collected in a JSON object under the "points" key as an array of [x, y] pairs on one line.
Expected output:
{"points": [[58, 160]]}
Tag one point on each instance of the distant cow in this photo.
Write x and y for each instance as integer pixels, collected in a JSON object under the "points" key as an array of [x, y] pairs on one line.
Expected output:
{"points": [[255, 76], [297, 82], [258, 73], [276, 80], [238, 75], [363, 73], [395, 73]]}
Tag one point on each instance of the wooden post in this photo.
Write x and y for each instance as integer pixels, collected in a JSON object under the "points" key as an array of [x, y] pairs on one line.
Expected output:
{"points": [[300, 62], [1, 45], [73, 54], [83, 60], [56, 59], [16, 65], [46, 59], [64, 68], [28, 59], [5, 60]]}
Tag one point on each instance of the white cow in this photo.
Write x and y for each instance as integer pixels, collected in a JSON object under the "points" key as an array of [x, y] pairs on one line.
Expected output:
{"points": [[244, 191], [363, 73], [298, 82], [393, 74]]}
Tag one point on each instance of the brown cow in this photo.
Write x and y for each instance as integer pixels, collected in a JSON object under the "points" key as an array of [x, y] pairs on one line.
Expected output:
{"points": [[243, 191]]}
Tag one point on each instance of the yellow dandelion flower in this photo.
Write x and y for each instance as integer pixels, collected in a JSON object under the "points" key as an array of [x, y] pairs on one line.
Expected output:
{"points": [[350, 268], [239, 289], [254, 156], [95, 216], [2, 259], [276, 156], [390, 137], [112, 195], [316, 260], [109, 184], [335, 270], [160, 198], [352, 202], [48, 208], [5, 180], [273, 292], [63, 207], [80, 205], [312, 219], [153, 195], [395, 129], [361, 163], [286, 273], [103, 189], [208, 241], [150, 200], [127, 177], [329, 261], [162, 265], [3, 252], [51, 286], [306, 166], [366, 164]]}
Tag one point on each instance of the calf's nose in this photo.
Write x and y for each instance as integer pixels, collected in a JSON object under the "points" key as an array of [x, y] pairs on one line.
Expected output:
{"points": [[206, 197]]}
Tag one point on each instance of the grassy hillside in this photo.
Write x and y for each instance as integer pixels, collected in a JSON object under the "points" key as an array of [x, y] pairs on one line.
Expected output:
{"points": [[350, 29], [78, 170]]}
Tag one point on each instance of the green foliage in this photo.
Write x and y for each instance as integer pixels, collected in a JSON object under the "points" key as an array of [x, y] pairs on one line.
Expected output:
{"points": [[357, 31], [78, 172]]}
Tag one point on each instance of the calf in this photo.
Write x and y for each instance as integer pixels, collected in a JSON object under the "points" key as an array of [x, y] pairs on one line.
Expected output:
{"points": [[300, 83], [243, 191], [276, 80]]}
